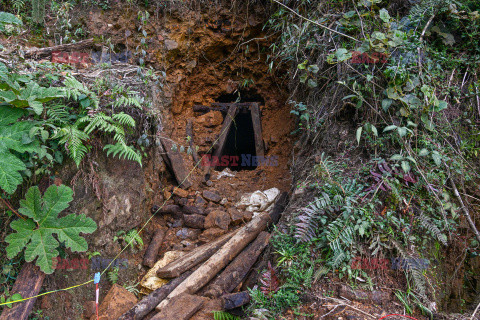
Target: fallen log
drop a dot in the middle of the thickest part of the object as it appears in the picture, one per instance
(151, 253)
(189, 130)
(237, 270)
(28, 284)
(182, 307)
(44, 52)
(235, 300)
(219, 260)
(279, 207)
(147, 304)
(193, 258)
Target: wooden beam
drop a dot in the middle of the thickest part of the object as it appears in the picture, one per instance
(220, 259)
(232, 112)
(151, 253)
(257, 129)
(238, 269)
(176, 163)
(28, 284)
(147, 304)
(193, 258)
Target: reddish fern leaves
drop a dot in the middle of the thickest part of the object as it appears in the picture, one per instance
(269, 280)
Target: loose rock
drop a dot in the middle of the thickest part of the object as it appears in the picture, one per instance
(211, 234)
(217, 218)
(117, 301)
(211, 196)
(186, 233)
(194, 221)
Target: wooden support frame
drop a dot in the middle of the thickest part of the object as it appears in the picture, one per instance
(233, 109)
(176, 164)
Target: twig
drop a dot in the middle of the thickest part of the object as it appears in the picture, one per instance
(347, 305)
(315, 23)
(464, 208)
(419, 50)
(474, 312)
(13, 210)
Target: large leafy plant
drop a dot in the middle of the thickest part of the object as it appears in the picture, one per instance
(35, 234)
(14, 140)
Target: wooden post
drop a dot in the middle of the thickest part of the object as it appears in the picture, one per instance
(150, 256)
(189, 130)
(257, 129)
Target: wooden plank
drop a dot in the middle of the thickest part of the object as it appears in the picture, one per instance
(232, 112)
(182, 307)
(279, 207)
(219, 260)
(193, 258)
(147, 304)
(237, 270)
(257, 129)
(189, 131)
(177, 165)
(151, 253)
(28, 284)
(205, 109)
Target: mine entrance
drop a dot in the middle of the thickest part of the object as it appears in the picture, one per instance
(239, 146)
(240, 142)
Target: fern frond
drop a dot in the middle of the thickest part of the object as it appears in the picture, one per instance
(123, 152)
(58, 114)
(222, 315)
(428, 224)
(124, 119)
(73, 138)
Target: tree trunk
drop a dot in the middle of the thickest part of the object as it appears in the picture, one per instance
(28, 284)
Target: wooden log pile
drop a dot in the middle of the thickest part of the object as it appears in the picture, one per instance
(214, 270)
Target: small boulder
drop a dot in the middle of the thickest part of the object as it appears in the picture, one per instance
(235, 215)
(210, 119)
(117, 301)
(180, 192)
(211, 196)
(194, 221)
(217, 218)
(186, 233)
(193, 210)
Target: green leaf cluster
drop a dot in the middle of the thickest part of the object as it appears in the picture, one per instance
(36, 233)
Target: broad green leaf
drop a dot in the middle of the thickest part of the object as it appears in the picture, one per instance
(374, 130)
(10, 167)
(390, 128)
(384, 15)
(402, 131)
(313, 68)
(343, 54)
(405, 166)
(437, 158)
(396, 157)
(386, 103)
(8, 18)
(36, 233)
(423, 152)
(359, 134)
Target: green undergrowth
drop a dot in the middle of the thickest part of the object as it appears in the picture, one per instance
(405, 84)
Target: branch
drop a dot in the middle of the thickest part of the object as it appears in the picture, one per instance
(10, 207)
(465, 209)
(315, 23)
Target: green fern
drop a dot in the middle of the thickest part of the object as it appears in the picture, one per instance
(123, 152)
(74, 139)
(112, 275)
(428, 224)
(222, 315)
